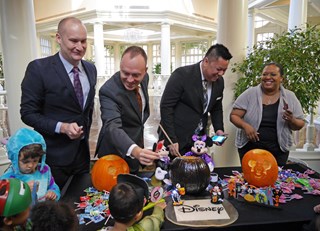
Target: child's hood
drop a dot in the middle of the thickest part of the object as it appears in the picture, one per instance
(20, 139)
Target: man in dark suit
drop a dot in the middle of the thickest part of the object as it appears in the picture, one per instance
(50, 105)
(123, 120)
(190, 94)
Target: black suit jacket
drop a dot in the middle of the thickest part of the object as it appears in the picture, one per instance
(123, 124)
(181, 106)
(48, 97)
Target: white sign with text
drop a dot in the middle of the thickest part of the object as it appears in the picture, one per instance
(200, 210)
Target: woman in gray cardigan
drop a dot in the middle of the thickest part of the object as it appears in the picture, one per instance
(265, 116)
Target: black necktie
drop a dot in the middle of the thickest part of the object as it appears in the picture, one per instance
(205, 93)
(77, 85)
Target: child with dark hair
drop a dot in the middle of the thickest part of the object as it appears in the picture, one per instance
(26, 150)
(53, 216)
(15, 201)
(126, 202)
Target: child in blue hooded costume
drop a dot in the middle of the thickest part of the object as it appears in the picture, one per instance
(26, 150)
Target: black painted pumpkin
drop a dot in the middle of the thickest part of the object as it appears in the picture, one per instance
(190, 172)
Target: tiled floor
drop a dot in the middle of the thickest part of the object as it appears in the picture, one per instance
(150, 132)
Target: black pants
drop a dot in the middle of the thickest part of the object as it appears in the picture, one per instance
(80, 165)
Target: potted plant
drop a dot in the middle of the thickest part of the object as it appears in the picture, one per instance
(157, 69)
(298, 51)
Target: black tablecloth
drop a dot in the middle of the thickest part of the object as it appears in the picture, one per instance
(290, 216)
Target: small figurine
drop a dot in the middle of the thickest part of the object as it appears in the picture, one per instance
(232, 188)
(277, 192)
(164, 161)
(250, 193)
(162, 164)
(199, 149)
(214, 177)
(216, 194)
(160, 174)
(269, 194)
(238, 189)
(261, 197)
(176, 195)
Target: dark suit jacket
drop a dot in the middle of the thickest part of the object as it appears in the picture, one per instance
(48, 97)
(181, 105)
(122, 122)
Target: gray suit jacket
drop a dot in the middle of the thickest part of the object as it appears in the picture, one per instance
(122, 122)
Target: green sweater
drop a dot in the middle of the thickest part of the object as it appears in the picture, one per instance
(150, 223)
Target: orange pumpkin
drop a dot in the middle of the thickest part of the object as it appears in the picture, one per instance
(105, 171)
(259, 168)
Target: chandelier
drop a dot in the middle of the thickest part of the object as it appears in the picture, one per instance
(132, 35)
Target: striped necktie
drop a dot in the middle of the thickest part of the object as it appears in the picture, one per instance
(205, 93)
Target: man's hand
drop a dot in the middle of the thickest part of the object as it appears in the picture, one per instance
(72, 130)
(219, 133)
(174, 149)
(145, 156)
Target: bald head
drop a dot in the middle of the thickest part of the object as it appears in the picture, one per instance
(72, 38)
(67, 22)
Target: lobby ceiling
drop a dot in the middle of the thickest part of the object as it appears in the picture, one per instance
(142, 25)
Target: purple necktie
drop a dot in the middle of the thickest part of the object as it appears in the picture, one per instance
(77, 85)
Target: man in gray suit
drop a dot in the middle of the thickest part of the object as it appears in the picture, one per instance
(190, 94)
(122, 117)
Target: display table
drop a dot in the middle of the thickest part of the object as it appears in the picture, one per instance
(290, 216)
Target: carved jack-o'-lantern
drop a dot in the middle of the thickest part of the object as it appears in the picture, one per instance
(190, 172)
(259, 168)
(105, 171)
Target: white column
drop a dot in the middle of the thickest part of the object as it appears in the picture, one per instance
(99, 52)
(178, 54)
(18, 36)
(150, 65)
(231, 33)
(117, 57)
(89, 51)
(297, 14)
(251, 30)
(210, 41)
(298, 19)
(53, 41)
(165, 49)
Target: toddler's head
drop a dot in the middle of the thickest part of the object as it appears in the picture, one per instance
(26, 149)
(127, 198)
(15, 201)
(53, 215)
(29, 158)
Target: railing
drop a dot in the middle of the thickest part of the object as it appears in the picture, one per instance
(310, 151)
(159, 83)
(4, 128)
